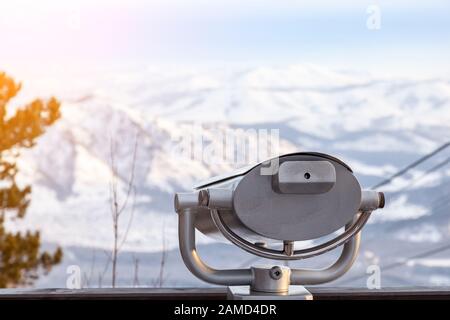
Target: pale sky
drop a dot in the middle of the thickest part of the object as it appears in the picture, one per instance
(412, 34)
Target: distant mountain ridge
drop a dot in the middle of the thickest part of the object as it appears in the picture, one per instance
(376, 125)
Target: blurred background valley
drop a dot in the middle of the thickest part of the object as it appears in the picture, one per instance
(131, 79)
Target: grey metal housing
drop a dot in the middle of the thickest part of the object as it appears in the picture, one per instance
(260, 213)
(305, 197)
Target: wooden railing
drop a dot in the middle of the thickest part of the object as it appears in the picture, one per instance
(319, 293)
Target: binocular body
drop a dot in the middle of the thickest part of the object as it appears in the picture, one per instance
(301, 196)
(294, 197)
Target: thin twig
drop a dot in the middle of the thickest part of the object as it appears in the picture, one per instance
(117, 209)
(136, 271)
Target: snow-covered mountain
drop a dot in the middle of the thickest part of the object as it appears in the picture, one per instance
(377, 124)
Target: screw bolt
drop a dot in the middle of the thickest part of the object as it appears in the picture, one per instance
(276, 273)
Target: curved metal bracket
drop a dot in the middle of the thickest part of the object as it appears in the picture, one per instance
(337, 269)
(351, 230)
(186, 232)
(186, 229)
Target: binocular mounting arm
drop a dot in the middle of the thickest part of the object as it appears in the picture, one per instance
(194, 263)
(186, 205)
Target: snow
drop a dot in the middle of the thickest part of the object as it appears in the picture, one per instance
(399, 209)
(378, 125)
(421, 234)
(342, 111)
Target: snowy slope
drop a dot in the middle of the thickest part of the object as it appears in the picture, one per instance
(376, 124)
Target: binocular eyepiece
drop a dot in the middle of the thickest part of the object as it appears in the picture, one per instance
(295, 197)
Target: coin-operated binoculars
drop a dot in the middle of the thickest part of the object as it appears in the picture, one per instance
(264, 209)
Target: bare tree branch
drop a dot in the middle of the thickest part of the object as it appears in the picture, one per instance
(131, 179)
(130, 220)
(136, 271)
(88, 276)
(116, 208)
(105, 269)
(159, 281)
